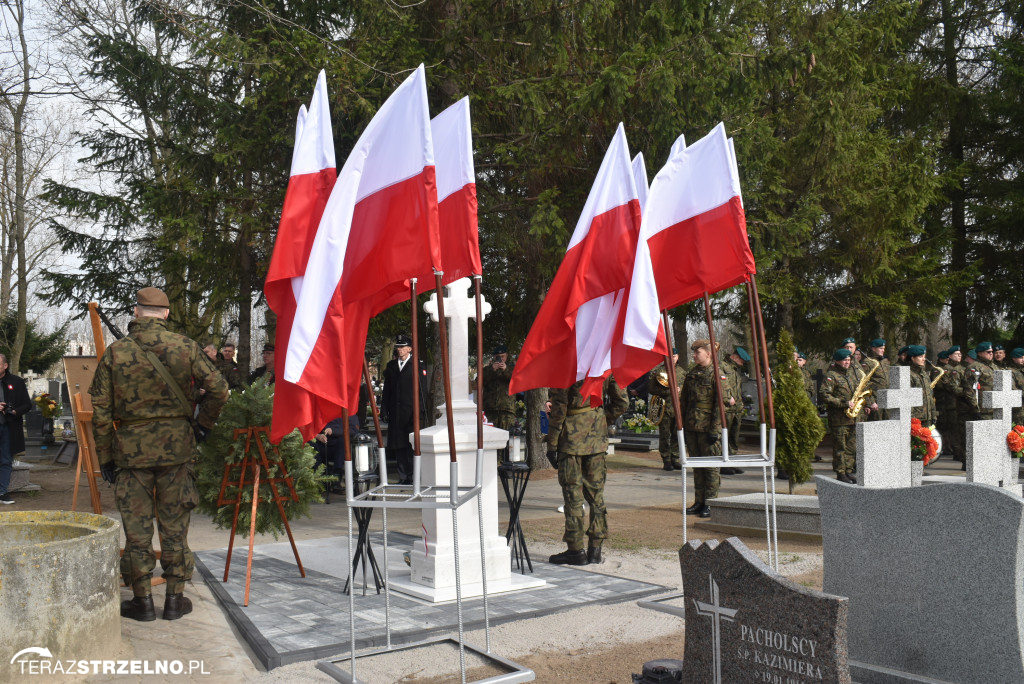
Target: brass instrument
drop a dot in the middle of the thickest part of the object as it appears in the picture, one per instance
(860, 395)
(936, 379)
(656, 404)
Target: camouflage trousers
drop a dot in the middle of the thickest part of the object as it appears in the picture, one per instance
(168, 493)
(503, 421)
(706, 481)
(949, 428)
(668, 440)
(844, 448)
(734, 419)
(582, 478)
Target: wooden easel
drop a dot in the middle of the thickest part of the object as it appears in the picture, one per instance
(87, 462)
(249, 462)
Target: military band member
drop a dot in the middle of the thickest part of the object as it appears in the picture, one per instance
(838, 391)
(668, 436)
(921, 377)
(945, 404)
(999, 360)
(880, 379)
(801, 361)
(735, 370)
(986, 374)
(966, 400)
(1017, 368)
(702, 425)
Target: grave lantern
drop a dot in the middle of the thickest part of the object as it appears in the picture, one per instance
(515, 447)
(364, 454)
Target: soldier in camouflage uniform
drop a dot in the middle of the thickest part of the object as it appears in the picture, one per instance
(1017, 368)
(921, 377)
(499, 407)
(966, 401)
(229, 368)
(878, 381)
(945, 394)
(801, 361)
(999, 360)
(578, 433)
(837, 392)
(702, 425)
(734, 368)
(668, 436)
(986, 375)
(145, 444)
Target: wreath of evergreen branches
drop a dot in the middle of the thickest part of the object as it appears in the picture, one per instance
(253, 407)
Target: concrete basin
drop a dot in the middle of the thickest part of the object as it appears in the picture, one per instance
(58, 587)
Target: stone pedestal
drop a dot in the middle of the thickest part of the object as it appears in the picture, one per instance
(19, 479)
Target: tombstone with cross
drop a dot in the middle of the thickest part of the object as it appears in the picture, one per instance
(883, 446)
(988, 458)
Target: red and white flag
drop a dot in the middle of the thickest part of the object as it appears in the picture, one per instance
(456, 192)
(312, 177)
(571, 337)
(693, 238)
(379, 230)
(640, 177)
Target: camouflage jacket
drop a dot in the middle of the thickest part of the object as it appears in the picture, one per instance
(837, 392)
(699, 400)
(880, 380)
(948, 388)
(920, 377)
(986, 380)
(137, 419)
(1018, 384)
(231, 372)
(733, 385)
(969, 396)
(655, 387)
(575, 428)
(808, 383)
(496, 396)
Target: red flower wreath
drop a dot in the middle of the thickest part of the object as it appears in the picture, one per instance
(1015, 441)
(923, 446)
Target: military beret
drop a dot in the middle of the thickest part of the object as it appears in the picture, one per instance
(878, 342)
(998, 347)
(706, 344)
(1017, 353)
(973, 354)
(152, 296)
(268, 347)
(499, 349)
(954, 349)
(403, 340)
(802, 356)
(916, 350)
(903, 350)
(849, 340)
(675, 350)
(943, 354)
(742, 353)
(840, 354)
(983, 347)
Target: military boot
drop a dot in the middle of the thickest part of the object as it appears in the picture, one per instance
(594, 555)
(139, 608)
(176, 605)
(695, 508)
(569, 558)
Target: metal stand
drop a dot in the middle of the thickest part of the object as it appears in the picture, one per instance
(364, 551)
(518, 473)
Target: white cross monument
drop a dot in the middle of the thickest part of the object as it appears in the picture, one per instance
(883, 446)
(988, 458)
(717, 613)
(432, 558)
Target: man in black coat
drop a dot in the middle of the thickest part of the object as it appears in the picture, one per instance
(14, 403)
(396, 405)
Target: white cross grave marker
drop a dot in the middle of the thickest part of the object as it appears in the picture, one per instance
(988, 459)
(883, 446)
(717, 613)
(459, 308)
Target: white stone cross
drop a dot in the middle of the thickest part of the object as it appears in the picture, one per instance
(883, 446)
(459, 308)
(988, 458)
(717, 613)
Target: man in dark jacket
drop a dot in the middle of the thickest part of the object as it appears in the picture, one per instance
(14, 403)
(396, 405)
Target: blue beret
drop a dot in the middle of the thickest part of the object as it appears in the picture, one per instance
(973, 354)
(848, 340)
(954, 349)
(983, 347)
(916, 350)
(802, 356)
(1017, 353)
(997, 347)
(943, 354)
(841, 354)
(675, 351)
(742, 353)
(878, 342)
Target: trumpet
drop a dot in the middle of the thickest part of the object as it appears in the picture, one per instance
(932, 366)
(860, 394)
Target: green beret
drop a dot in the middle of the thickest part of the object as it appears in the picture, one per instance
(954, 349)
(802, 356)
(998, 347)
(943, 354)
(878, 342)
(675, 350)
(742, 353)
(841, 353)
(983, 347)
(848, 340)
(1017, 353)
(916, 350)
(973, 354)
(903, 350)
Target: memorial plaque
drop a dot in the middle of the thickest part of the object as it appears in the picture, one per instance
(747, 623)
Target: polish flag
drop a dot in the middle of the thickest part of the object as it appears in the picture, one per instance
(571, 337)
(693, 238)
(456, 192)
(640, 177)
(312, 178)
(379, 230)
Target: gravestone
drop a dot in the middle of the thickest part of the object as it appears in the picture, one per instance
(934, 580)
(883, 446)
(34, 425)
(988, 458)
(747, 623)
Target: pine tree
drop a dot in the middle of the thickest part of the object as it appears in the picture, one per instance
(798, 427)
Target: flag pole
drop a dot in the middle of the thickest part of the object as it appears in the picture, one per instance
(764, 354)
(415, 391)
(670, 371)
(756, 343)
(445, 370)
(714, 361)
(373, 404)
(479, 365)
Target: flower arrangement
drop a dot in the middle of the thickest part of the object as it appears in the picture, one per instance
(923, 446)
(1015, 441)
(638, 423)
(48, 406)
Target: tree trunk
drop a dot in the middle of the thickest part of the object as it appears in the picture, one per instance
(536, 449)
(18, 123)
(958, 116)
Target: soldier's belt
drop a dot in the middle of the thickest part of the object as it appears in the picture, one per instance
(703, 405)
(140, 421)
(586, 409)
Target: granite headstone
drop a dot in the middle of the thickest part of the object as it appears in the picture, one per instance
(883, 447)
(935, 580)
(747, 623)
(988, 458)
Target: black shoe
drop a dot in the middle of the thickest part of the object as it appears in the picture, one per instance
(695, 508)
(852, 478)
(963, 465)
(7, 500)
(817, 459)
(569, 558)
(667, 466)
(176, 605)
(677, 466)
(782, 475)
(139, 608)
(704, 512)
(843, 477)
(731, 471)
(594, 555)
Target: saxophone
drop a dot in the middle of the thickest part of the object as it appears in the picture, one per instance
(860, 394)
(938, 377)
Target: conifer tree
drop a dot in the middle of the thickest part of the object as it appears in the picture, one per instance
(798, 427)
